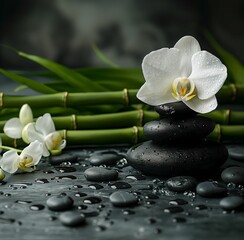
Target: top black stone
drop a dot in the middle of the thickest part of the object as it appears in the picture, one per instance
(174, 109)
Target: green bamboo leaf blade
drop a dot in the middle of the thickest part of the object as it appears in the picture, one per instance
(70, 76)
(39, 87)
(102, 57)
(235, 68)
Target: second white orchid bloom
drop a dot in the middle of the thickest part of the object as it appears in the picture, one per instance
(11, 161)
(182, 73)
(44, 131)
(14, 127)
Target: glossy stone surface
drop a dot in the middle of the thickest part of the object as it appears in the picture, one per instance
(168, 161)
(233, 175)
(168, 130)
(174, 109)
(104, 158)
(59, 203)
(232, 203)
(100, 174)
(181, 183)
(123, 199)
(211, 189)
(236, 152)
(72, 219)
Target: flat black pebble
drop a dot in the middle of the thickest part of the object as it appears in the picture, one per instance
(181, 183)
(211, 189)
(64, 157)
(72, 219)
(233, 175)
(98, 159)
(100, 174)
(59, 203)
(232, 203)
(123, 199)
(236, 152)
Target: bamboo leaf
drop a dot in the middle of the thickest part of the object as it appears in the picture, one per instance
(70, 76)
(20, 88)
(28, 82)
(235, 67)
(102, 57)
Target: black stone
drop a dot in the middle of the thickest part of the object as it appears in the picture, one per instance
(168, 161)
(123, 199)
(104, 158)
(232, 202)
(211, 189)
(233, 175)
(168, 130)
(60, 203)
(181, 183)
(174, 109)
(236, 152)
(72, 219)
(100, 174)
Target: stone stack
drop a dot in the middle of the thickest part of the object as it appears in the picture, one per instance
(177, 144)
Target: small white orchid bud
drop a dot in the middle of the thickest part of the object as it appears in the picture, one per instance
(25, 114)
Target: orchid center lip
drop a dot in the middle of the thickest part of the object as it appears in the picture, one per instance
(183, 89)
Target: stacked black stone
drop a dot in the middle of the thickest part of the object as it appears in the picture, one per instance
(178, 144)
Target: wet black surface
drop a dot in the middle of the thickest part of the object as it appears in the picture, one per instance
(159, 213)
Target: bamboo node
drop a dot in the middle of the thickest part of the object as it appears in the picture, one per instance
(227, 116)
(141, 117)
(219, 132)
(126, 96)
(74, 122)
(135, 130)
(1, 99)
(234, 92)
(64, 134)
(65, 99)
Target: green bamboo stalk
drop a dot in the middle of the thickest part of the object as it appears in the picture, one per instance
(128, 136)
(228, 94)
(131, 118)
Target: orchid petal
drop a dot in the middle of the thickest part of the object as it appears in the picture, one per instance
(45, 124)
(188, 46)
(32, 134)
(53, 140)
(202, 106)
(208, 74)
(25, 114)
(34, 150)
(13, 128)
(9, 161)
(155, 96)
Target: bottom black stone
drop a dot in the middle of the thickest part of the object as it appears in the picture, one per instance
(167, 161)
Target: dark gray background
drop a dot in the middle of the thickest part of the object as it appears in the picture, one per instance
(63, 30)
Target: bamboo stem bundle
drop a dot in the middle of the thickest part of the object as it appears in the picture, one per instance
(228, 94)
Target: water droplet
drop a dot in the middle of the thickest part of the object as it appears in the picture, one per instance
(179, 220)
(23, 202)
(174, 209)
(65, 169)
(80, 194)
(66, 177)
(41, 180)
(120, 185)
(37, 207)
(92, 200)
(95, 186)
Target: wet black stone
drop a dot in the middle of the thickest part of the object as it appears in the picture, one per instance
(211, 189)
(100, 174)
(106, 158)
(181, 183)
(64, 157)
(168, 130)
(72, 219)
(60, 203)
(233, 175)
(123, 199)
(174, 109)
(236, 152)
(232, 203)
(173, 160)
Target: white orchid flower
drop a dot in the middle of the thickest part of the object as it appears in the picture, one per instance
(26, 161)
(44, 131)
(182, 73)
(14, 127)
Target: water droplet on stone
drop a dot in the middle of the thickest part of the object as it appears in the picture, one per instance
(37, 207)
